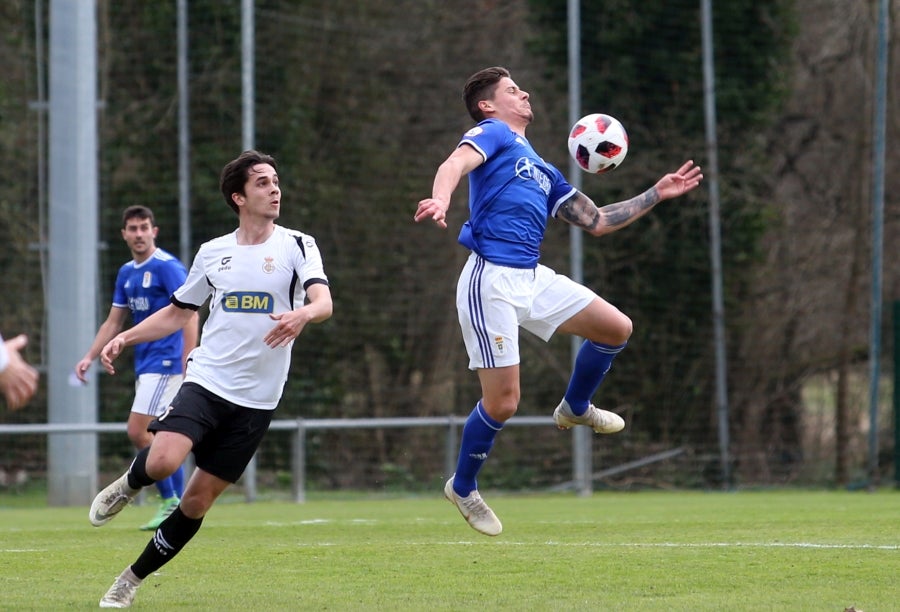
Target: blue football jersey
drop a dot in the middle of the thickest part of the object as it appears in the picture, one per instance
(145, 288)
(511, 196)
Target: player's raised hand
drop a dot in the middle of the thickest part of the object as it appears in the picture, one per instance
(685, 179)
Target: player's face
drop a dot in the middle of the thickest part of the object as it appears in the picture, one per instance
(140, 236)
(511, 103)
(262, 195)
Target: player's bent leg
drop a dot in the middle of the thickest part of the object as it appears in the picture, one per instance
(167, 453)
(201, 492)
(141, 438)
(599, 322)
(500, 391)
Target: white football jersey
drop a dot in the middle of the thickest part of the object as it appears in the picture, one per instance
(244, 285)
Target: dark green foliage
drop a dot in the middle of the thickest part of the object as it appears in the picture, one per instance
(641, 62)
(359, 101)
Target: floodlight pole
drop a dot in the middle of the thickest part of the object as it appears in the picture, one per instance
(711, 172)
(248, 97)
(581, 436)
(878, 155)
(184, 137)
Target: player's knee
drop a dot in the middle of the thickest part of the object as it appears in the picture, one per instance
(624, 328)
(614, 330)
(502, 409)
(195, 506)
(160, 466)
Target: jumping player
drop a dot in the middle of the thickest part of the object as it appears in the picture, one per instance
(512, 194)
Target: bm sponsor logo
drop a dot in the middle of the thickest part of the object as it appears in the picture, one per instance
(248, 301)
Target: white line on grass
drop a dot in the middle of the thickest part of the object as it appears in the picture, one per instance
(726, 545)
(494, 542)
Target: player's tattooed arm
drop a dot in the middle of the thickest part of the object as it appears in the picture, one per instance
(580, 210)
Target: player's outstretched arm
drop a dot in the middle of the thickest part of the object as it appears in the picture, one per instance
(462, 161)
(580, 210)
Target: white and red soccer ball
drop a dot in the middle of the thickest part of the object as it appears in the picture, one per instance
(598, 143)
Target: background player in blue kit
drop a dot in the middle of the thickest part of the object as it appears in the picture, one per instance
(264, 283)
(512, 194)
(143, 286)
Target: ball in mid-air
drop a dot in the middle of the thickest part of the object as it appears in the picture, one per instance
(598, 143)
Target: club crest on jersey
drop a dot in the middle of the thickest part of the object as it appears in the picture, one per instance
(147, 280)
(248, 301)
(269, 265)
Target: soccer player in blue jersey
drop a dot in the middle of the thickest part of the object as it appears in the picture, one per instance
(265, 283)
(512, 194)
(143, 286)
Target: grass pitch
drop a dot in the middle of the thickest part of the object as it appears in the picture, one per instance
(658, 551)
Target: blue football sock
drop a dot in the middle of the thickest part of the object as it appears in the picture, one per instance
(591, 365)
(477, 439)
(178, 481)
(165, 488)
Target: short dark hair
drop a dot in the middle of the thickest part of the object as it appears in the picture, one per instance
(481, 86)
(237, 171)
(137, 211)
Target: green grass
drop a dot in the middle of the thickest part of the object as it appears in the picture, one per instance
(795, 550)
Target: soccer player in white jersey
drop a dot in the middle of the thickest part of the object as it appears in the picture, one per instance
(264, 284)
(143, 286)
(18, 379)
(512, 194)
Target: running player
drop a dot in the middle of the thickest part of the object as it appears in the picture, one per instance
(264, 284)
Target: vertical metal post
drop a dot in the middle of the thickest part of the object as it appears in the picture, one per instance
(451, 447)
(184, 138)
(248, 43)
(711, 172)
(249, 477)
(72, 291)
(878, 154)
(581, 436)
(896, 401)
(298, 463)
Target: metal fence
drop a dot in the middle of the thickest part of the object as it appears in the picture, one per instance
(299, 429)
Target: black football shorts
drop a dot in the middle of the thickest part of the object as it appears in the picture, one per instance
(225, 435)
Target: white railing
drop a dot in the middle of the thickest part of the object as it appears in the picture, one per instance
(299, 427)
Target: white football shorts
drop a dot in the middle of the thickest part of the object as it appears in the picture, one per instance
(154, 392)
(493, 301)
